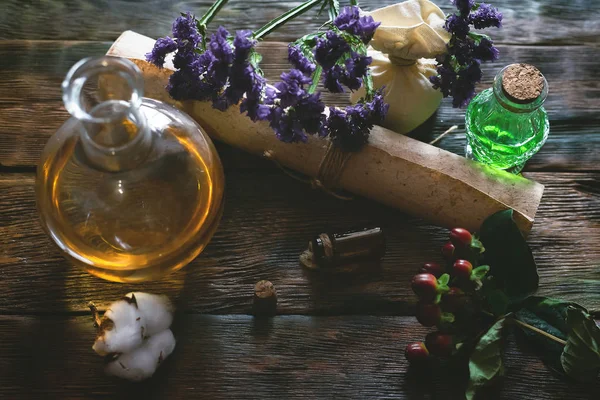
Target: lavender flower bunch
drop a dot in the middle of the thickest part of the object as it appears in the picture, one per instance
(222, 73)
(224, 69)
(460, 68)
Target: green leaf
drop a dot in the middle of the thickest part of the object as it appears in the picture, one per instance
(549, 315)
(509, 257)
(255, 58)
(581, 356)
(444, 279)
(334, 9)
(479, 272)
(485, 362)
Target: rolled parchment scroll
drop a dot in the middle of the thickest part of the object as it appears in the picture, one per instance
(415, 177)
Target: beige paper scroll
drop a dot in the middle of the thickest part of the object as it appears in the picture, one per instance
(413, 176)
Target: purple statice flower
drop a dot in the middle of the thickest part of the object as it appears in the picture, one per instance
(457, 25)
(332, 79)
(220, 48)
(350, 75)
(444, 80)
(460, 68)
(462, 92)
(309, 110)
(485, 50)
(253, 105)
(185, 31)
(464, 6)
(294, 112)
(463, 89)
(162, 47)
(291, 87)
(471, 72)
(486, 16)
(243, 45)
(356, 67)
(297, 58)
(349, 20)
(349, 128)
(378, 108)
(243, 77)
(330, 49)
(186, 38)
(462, 49)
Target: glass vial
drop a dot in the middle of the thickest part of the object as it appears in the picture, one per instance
(507, 124)
(129, 188)
(329, 250)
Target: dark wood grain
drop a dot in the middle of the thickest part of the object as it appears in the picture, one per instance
(31, 108)
(525, 22)
(338, 350)
(268, 220)
(238, 357)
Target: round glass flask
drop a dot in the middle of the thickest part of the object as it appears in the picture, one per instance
(129, 188)
(507, 124)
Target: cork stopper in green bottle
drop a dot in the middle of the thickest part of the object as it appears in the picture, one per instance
(522, 83)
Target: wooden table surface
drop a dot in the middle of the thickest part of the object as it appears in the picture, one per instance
(335, 335)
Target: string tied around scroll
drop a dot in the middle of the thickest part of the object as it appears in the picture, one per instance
(329, 173)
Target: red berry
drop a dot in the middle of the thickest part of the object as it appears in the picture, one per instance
(448, 251)
(432, 268)
(424, 286)
(462, 269)
(416, 353)
(460, 237)
(439, 344)
(453, 300)
(428, 314)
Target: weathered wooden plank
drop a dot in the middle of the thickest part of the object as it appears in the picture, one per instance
(530, 22)
(267, 222)
(238, 357)
(31, 108)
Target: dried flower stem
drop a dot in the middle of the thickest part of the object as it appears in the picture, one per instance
(283, 18)
(95, 314)
(437, 139)
(212, 11)
(316, 78)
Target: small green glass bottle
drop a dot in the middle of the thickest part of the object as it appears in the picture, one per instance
(506, 125)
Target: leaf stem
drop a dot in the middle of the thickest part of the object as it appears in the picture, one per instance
(283, 18)
(316, 77)
(212, 11)
(538, 331)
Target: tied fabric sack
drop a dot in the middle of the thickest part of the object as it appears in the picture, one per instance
(411, 34)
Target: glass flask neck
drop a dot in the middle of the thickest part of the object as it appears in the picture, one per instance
(105, 95)
(513, 106)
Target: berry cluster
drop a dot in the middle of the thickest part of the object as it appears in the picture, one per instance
(446, 292)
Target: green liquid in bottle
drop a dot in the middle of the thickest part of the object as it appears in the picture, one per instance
(503, 133)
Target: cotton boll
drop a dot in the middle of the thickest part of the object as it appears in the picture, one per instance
(141, 363)
(156, 311)
(136, 366)
(162, 343)
(121, 329)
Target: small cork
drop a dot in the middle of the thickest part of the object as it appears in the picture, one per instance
(522, 83)
(265, 299)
